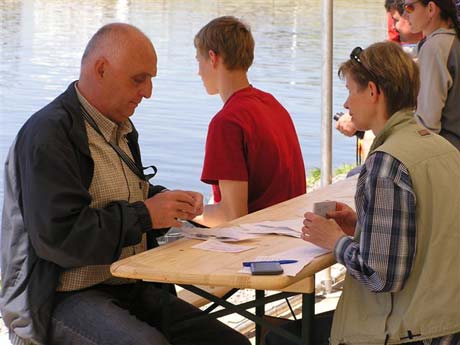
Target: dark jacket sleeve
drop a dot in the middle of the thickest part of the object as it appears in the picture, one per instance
(153, 190)
(55, 204)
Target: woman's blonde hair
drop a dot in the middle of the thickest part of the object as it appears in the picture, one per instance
(391, 69)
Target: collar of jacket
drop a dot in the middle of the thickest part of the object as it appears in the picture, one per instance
(440, 31)
(397, 119)
(78, 134)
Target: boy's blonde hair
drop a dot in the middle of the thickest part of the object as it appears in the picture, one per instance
(230, 38)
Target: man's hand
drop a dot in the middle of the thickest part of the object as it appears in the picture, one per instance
(345, 217)
(198, 198)
(167, 207)
(321, 231)
(345, 126)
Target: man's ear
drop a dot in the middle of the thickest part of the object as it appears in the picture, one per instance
(100, 67)
(213, 57)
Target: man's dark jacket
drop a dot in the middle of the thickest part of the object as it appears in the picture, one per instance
(47, 224)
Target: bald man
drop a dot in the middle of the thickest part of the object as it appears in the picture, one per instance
(77, 199)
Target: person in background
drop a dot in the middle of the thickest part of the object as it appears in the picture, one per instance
(408, 40)
(252, 157)
(438, 103)
(401, 247)
(392, 33)
(77, 199)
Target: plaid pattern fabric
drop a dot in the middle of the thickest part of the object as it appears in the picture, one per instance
(112, 180)
(385, 205)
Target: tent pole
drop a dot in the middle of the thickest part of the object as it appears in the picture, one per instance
(326, 114)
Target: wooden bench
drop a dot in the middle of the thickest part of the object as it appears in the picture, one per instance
(199, 301)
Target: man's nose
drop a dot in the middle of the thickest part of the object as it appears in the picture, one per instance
(146, 90)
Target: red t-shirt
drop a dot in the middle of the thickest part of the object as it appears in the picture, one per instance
(253, 139)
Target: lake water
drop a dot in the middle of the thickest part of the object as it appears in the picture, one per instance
(41, 42)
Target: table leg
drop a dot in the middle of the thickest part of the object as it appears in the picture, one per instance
(260, 311)
(308, 315)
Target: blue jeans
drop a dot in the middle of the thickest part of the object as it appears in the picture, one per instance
(131, 314)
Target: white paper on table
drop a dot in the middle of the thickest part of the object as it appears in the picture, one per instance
(275, 231)
(303, 253)
(288, 227)
(218, 246)
(230, 234)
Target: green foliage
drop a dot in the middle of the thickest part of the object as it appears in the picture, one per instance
(344, 169)
(314, 175)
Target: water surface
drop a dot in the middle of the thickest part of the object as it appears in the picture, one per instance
(41, 42)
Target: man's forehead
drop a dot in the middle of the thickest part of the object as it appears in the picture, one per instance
(142, 60)
(149, 70)
(153, 72)
(153, 65)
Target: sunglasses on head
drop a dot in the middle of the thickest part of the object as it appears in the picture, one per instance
(409, 8)
(354, 56)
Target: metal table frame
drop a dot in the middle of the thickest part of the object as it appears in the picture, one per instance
(308, 307)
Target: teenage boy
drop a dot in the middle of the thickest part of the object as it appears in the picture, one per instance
(252, 157)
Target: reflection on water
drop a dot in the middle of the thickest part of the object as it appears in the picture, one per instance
(41, 43)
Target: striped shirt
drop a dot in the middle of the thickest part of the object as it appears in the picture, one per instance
(385, 207)
(112, 180)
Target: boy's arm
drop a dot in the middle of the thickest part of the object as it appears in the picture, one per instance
(234, 204)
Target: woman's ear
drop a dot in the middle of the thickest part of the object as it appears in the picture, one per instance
(372, 89)
(432, 8)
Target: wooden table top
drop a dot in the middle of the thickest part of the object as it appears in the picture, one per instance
(178, 263)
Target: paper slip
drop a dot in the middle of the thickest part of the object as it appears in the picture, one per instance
(323, 207)
(289, 227)
(218, 246)
(231, 234)
(293, 224)
(277, 231)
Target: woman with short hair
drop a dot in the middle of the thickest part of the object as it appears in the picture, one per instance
(438, 103)
(401, 247)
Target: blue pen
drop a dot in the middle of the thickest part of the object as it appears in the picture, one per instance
(281, 262)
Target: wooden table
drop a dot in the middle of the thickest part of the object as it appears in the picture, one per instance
(178, 263)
